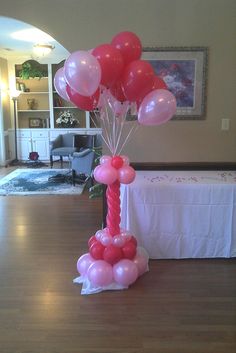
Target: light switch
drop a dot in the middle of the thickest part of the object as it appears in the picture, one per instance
(224, 124)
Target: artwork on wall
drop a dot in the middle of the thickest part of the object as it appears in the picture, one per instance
(35, 123)
(184, 71)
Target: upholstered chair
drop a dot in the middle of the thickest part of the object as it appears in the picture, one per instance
(82, 166)
(62, 146)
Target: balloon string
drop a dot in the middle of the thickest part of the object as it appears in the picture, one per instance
(112, 128)
(121, 130)
(103, 138)
(105, 132)
(109, 124)
(105, 124)
(133, 129)
(113, 133)
(113, 204)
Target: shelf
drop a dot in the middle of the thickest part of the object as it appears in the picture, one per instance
(45, 96)
(34, 110)
(31, 78)
(65, 107)
(26, 93)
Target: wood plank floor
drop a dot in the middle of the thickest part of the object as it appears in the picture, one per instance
(179, 306)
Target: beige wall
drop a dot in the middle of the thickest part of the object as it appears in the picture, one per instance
(5, 97)
(83, 24)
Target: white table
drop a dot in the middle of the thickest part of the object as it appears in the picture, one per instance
(182, 214)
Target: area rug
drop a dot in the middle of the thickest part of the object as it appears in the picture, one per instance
(38, 182)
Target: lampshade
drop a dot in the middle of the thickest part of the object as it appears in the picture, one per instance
(14, 93)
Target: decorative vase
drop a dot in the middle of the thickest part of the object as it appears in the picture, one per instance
(31, 104)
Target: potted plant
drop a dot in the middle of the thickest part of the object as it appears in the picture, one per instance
(31, 69)
(97, 189)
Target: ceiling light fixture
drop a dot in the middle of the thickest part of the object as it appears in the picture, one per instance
(43, 49)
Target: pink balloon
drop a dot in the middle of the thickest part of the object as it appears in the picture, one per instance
(125, 160)
(100, 273)
(99, 234)
(120, 109)
(83, 73)
(105, 174)
(129, 45)
(126, 174)
(106, 239)
(105, 159)
(119, 241)
(142, 251)
(60, 84)
(141, 262)
(82, 102)
(102, 99)
(157, 107)
(125, 272)
(83, 263)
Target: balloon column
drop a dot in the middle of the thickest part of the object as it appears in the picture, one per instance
(110, 80)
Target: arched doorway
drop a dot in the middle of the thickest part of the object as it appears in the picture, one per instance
(18, 43)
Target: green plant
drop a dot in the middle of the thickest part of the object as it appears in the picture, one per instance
(97, 189)
(31, 69)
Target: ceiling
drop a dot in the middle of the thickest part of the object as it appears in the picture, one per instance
(20, 50)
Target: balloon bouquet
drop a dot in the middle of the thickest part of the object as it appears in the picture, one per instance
(111, 80)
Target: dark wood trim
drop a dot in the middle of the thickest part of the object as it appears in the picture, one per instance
(184, 166)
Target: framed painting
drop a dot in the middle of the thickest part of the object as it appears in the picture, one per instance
(35, 123)
(184, 70)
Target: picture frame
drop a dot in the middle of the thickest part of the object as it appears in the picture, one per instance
(184, 70)
(35, 123)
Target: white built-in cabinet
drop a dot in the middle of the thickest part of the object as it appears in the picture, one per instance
(38, 107)
(29, 140)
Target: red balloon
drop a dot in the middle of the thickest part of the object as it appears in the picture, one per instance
(96, 250)
(129, 250)
(111, 62)
(134, 240)
(117, 92)
(92, 240)
(117, 162)
(159, 83)
(129, 44)
(82, 102)
(112, 254)
(137, 80)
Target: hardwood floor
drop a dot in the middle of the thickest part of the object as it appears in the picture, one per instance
(179, 306)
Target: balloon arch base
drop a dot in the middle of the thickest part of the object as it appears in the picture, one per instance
(101, 275)
(114, 260)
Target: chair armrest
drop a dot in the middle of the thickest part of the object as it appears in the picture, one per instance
(82, 153)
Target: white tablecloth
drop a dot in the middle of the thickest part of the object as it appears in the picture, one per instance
(182, 214)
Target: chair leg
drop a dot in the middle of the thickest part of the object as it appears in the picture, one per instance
(73, 177)
(51, 161)
(61, 159)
